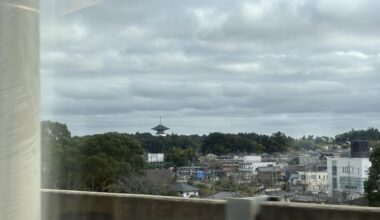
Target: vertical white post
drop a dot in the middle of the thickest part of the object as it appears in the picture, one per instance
(19, 110)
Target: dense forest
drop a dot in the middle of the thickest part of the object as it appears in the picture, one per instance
(95, 162)
(371, 134)
(102, 162)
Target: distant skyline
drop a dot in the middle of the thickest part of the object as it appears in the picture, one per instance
(300, 67)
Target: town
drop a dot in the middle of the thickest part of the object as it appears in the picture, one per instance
(332, 171)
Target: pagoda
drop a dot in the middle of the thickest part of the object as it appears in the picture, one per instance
(160, 129)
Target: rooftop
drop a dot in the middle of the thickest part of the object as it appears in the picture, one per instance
(183, 187)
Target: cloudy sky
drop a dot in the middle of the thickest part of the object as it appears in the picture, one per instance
(297, 66)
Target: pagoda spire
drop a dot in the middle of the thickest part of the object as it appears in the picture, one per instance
(160, 129)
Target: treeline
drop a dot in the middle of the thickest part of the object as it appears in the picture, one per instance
(219, 143)
(103, 162)
(370, 134)
(163, 144)
(94, 162)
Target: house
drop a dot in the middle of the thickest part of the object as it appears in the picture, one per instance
(224, 194)
(186, 190)
(308, 160)
(229, 163)
(188, 172)
(314, 181)
(269, 176)
(250, 167)
(291, 173)
(215, 174)
(211, 157)
(308, 198)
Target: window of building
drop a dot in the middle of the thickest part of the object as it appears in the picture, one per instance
(334, 168)
(334, 183)
(351, 183)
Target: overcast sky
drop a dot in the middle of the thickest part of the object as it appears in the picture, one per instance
(297, 66)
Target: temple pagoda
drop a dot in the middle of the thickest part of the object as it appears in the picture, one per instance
(160, 129)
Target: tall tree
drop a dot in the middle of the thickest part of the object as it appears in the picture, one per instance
(372, 186)
(57, 154)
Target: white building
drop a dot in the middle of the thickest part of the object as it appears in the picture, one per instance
(154, 158)
(251, 158)
(347, 175)
(251, 166)
(314, 181)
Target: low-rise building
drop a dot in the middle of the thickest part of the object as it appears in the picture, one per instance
(211, 157)
(229, 163)
(186, 190)
(154, 157)
(251, 167)
(188, 172)
(251, 158)
(314, 181)
(269, 176)
(308, 160)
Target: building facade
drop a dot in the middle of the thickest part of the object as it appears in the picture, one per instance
(347, 175)
(308, 160)
(154, 157)
(314, 181)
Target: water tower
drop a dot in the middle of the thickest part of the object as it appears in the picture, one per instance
(359, 149)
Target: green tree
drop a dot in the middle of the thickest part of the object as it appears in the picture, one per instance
(57, 157)
(93, 162)
(372, 186)
(181, 157)
(109, 157)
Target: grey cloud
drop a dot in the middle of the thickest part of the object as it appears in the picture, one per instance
(229, 66)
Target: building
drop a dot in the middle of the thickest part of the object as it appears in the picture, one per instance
(347, 175)
(291, 173)
(228, 163)
(360, 149)
(308, 160)
(314, 181)
(225, 194)
(251, 166)
(154, 157)
(248, 170)
(269, 176)
(186, 190)
(251, 158)
(185, 173)
(308, 198)
(210, 157)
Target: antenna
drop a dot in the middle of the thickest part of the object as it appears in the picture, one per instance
(160, 119)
